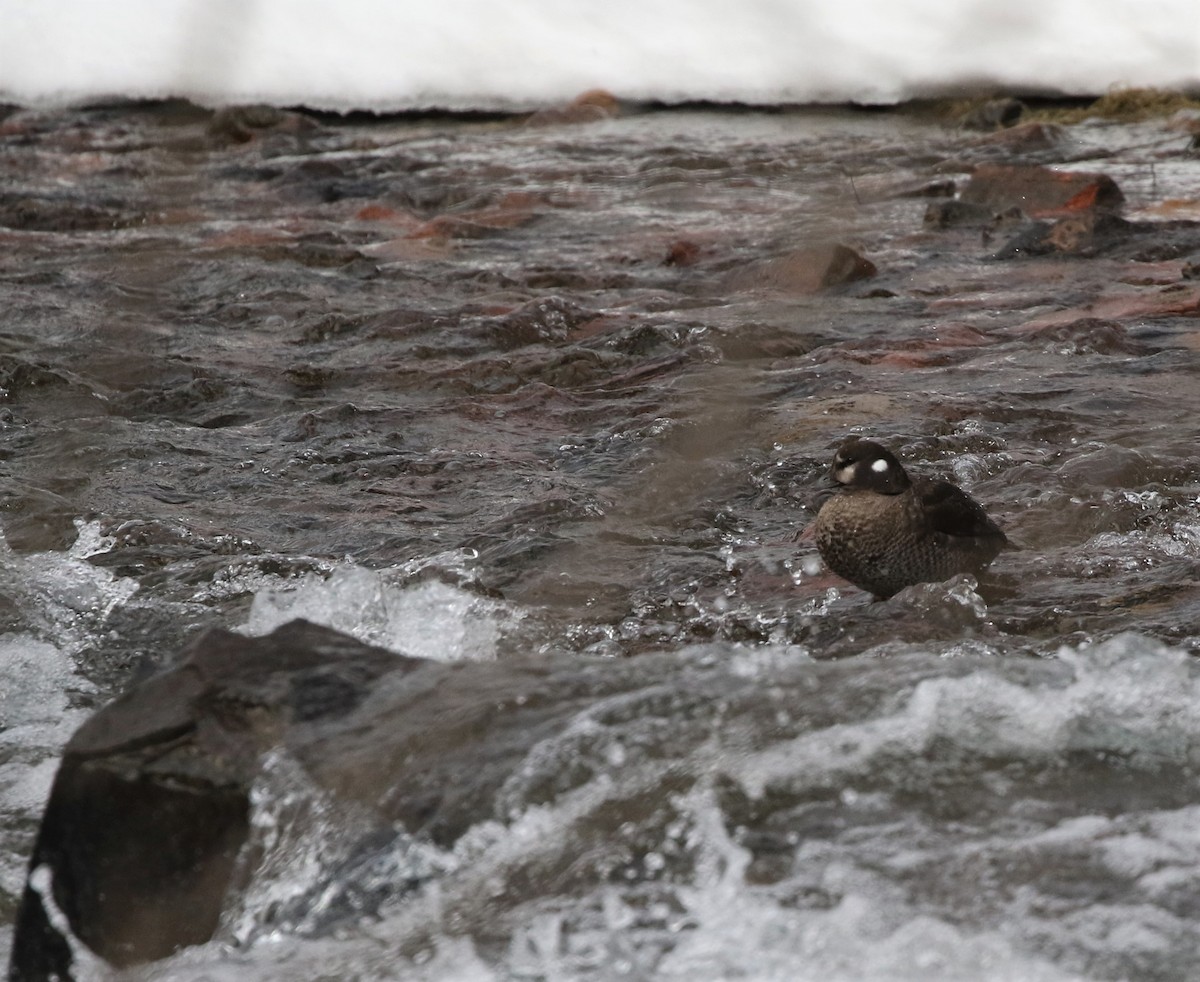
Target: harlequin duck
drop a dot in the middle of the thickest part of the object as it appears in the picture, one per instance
(884, 531)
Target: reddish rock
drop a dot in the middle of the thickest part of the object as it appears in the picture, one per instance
(682, 252)
(515, 209)
(806, 270)
(593, 105)
(1086, 232)
(1039, 191)
(1164, 273)
(1174, 208)
(379, 213)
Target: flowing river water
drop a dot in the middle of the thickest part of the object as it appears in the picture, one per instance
(468, 388)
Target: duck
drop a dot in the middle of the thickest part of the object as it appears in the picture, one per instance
(883, 530)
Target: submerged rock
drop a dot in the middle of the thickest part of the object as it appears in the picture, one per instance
(1094, 233)
(62, 212)
(806, 270)
(240, 124)
(511, 211)
(993, 115)
(955, 213)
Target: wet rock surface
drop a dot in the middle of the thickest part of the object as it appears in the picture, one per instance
(151, 803)
(1039, 191)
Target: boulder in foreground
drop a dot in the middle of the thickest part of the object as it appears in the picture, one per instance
(150, 805)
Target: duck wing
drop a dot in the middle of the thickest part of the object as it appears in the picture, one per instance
(951, 511)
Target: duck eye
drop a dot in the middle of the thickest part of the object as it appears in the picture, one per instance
(879, 466)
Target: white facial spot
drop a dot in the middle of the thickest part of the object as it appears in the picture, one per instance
(879, 466)
(844, 474)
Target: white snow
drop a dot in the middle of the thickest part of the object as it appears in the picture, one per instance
(480, 54)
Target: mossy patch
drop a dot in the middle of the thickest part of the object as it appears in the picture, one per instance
(1120, 105)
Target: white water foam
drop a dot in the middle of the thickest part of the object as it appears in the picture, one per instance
(66, 601)
(425, 619)
(1131, 695)
(68, 598)
(473, 54)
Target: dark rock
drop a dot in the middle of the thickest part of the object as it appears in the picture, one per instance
(139, 866)
(1094, 233)
(993, 115)
(240, 124)
(1085, 234)
(1088, 233)
(806, 270)
(1039, 191)
(944, 188)
(1168, 241)
(540, 321)
(955, 214)
(63, 213)
(150, 804)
